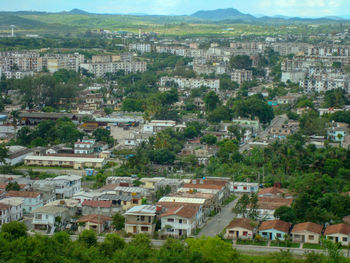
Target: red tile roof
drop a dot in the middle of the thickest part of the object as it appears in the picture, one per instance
(185, 211)
(337, 229)
(308, 226)
(97, 219)
(275, 224)
(4, 206)
(242, 223)
(274, 191)
(273, 203)
(95, 203)
(24, 194)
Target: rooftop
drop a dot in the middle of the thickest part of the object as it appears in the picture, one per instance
(275, 224)
(48, 209)
(242, 223)
(95, 203)
(182, 211)
(142, 209)
(24, 194)
(93, 218)
(337, 229)
(308, 226)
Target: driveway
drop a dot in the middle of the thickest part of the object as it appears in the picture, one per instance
(217, 223)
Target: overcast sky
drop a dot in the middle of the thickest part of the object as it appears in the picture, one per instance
(310, 8)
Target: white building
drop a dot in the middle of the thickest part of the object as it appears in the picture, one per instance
(16, 207)
(32, 200)
(141, 47)
(85, 146)
(243, 187)
(5, 214)
(241, 75)
(45, 217)
(185, 83)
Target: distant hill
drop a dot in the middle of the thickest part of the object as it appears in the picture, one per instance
(77, 11)
(223, 14)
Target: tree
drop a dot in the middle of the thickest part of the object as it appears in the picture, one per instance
(14, 230)
(13, 186)
(286, 214)
(240, 62)
(241, 207)
(209, 139)
(108, 111)
(253, 207)
(211, 101)
(212, 249)
(118, 221)
(3, 154)
(88, 238)
(163, 156)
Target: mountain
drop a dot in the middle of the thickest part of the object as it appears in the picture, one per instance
(222, 14)
(77, 11)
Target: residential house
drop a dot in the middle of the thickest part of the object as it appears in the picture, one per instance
(268, 205)
(307, 232)
(243, 187)
(46, 217)
(339, 233)
(16, 207)
(85, 146)
(97, 207)
(338, 131)
(242, 228)
(98, 223)
(274, 229)
(5, 213)
(32, 200)
(180, 221)
(121, 202)
(140, 219)
(274, 192)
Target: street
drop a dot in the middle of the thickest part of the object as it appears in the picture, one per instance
(217, 223)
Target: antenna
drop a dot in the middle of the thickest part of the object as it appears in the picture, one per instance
(12, 30)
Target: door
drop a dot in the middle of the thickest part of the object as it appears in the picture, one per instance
(180, 232)
(270, 234)
(135, 230)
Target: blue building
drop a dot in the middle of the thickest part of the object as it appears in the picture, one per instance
(274, 229)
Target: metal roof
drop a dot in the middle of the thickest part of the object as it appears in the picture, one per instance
(176, 199)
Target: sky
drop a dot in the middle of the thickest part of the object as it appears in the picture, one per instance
(301, 8)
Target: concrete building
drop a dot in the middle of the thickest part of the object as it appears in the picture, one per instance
(184, 83)
(241, 75)
(140, 219)
(65, 161)
(307, 232)
(32, 200)
(16, 207)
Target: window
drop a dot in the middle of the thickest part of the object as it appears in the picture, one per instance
(170, 219)
(235, 187)
(144, 228)
(135, 201)
(244, 188)
(142, 218)
(311, 237)
(245, 233)
(279, 235)
(180, 221)
(345, 239)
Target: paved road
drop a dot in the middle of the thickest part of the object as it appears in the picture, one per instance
(263, 135)
(216, 224)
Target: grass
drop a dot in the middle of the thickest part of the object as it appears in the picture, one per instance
(283, 244)
(312, 246)
(197, 231)
(251, 242)
(229, 200)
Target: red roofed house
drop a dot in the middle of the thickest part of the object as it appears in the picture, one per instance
(307, 232)
(32, 200)
(180, 220)
(242, 228)
(274, 229)
(98, 223)
(97, 207)
(338, 233)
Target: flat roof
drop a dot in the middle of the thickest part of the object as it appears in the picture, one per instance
(142, 209)
(175, 199)
(50, 209)
(64, 158)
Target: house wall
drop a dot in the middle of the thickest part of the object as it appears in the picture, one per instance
(273, 234)
(179, 223)
(238, 232)
(30, 204)
(306, 237)
(343, 239)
